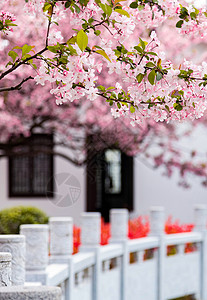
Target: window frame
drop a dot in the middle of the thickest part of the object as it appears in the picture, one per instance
(32, 194)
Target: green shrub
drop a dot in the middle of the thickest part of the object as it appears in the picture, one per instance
(12, 218)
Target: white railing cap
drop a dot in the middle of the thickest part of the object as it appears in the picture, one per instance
(60, 219)
(119, 210)
(90, 214)
(39, 227)
(14, 238)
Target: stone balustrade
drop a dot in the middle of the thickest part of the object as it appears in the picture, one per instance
(15, 244)
(123, 269)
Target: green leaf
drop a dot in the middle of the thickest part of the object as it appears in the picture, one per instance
(77, 8)
(103, 53)
(159, 76)
(177, 106)
(118, 105)
(101, 88)
(97, 32)
(139, 77)
(17, 47)
(179, 24)
(184, 11)
(26, 49)
(72, 50)
(34, 66)
(132, 109)
(152, 53)
(52, 49)
(193, 15)
(196, 10)
(122, 12)
(13, 55)
(72, 40)
(106, 8)
(82, 40)
(151, 77)
(167, 108)
(46, 7)
(67, 4)
(133, 5)
(9, 23)
(9, 64)
(142, 43)
(139, 49)
(150, 65)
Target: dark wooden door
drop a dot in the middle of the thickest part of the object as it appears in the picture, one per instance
(109, 181)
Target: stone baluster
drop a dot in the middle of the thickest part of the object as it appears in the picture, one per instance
(15, 244)
(5, 268)
(157, 221)
(119, 225)
(90, 241)
(36, 251)
(61, 239)
(200, 217)
(119, 234)
(90, 230)
(157, 226)
(61, 248)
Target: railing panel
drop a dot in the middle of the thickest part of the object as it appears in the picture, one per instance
(142, 280)
(182, 275)
(111, 284)
(83, 290)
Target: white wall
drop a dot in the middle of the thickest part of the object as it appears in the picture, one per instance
(150, 188)
(61, 166)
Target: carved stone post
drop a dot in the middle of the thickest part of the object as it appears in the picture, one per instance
(200, 216)
(157, 226)
(119, 224)
(15, 244)
(119, 234)
(36, 251)
(5, 268)
(90, 230)
(157, 220)
(61, 239)
(90, 239)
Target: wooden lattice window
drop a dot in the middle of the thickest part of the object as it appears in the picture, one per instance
(30, 175)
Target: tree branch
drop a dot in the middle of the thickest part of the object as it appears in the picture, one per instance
(16, 87)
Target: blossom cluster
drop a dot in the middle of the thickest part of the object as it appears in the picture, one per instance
(6, 21)
(150, 84)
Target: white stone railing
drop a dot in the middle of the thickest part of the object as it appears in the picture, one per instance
(124, 269)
